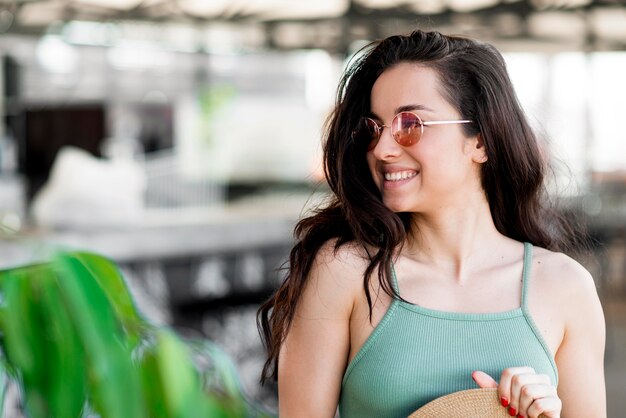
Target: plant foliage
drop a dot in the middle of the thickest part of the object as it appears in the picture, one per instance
(73, 341)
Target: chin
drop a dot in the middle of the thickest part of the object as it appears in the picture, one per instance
(398, 207)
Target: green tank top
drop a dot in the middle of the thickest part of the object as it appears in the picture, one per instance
(415, 355)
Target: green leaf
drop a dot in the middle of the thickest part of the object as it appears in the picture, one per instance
(107, 351)
(65, 358)
(179, 381)
(110, 280)
(23, 338)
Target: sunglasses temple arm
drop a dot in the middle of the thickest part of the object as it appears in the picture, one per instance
(444, 122)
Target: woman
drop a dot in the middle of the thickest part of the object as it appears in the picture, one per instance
(436, 267)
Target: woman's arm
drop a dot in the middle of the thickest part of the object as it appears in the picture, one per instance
(580, 357)
(314, 355)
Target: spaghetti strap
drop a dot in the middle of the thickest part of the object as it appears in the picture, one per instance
(394, 280)
(528, 258)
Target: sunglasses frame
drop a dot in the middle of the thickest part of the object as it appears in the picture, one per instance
(379, 127)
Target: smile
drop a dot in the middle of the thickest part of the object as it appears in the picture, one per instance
(400, 175)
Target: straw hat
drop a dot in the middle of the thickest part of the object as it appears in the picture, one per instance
(471, 403)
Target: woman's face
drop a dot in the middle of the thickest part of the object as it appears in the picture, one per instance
(438, 171)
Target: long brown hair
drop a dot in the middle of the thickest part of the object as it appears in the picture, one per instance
(474, 80)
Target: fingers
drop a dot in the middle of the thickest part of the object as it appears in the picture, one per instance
(536, 399)
(545, 408)
(525, 388)
(505, 390)
(483, 380)
(528, 394)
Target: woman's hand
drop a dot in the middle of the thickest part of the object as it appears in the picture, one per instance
(525, 393)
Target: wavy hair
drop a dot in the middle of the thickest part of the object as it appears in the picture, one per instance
(474, 80)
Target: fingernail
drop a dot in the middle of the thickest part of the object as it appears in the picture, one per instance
(520, 416)
(504, 401)
(512, 411)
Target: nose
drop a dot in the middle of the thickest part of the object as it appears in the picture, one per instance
(386, 147)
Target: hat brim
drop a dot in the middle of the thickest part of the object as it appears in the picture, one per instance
(471, 403)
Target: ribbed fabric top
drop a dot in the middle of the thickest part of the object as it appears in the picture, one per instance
(415, 355)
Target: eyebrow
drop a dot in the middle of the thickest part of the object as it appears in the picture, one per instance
(407, 108)
(413, 107)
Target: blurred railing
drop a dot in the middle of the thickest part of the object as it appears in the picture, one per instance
(168, 187)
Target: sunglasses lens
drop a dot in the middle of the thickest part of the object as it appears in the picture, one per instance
(406, 128)
(373, 132)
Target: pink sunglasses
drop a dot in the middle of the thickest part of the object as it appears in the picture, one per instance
(406, 128)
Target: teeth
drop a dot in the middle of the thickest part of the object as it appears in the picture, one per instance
(400, 175)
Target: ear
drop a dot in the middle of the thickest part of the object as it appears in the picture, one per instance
(479, 153)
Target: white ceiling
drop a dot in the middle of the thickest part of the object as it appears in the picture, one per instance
(335, 24)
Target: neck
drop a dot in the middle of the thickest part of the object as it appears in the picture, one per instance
(455, 239)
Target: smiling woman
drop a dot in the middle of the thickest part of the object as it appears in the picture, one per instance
(438, 266)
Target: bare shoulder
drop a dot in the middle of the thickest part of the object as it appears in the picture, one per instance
(343, 265)
(560, 270)
(335, 278)
(347, 257)
(561, 279)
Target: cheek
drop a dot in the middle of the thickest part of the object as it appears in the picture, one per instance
(446, 174)
(439, 165)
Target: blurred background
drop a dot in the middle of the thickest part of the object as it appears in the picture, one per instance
(181, 138)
